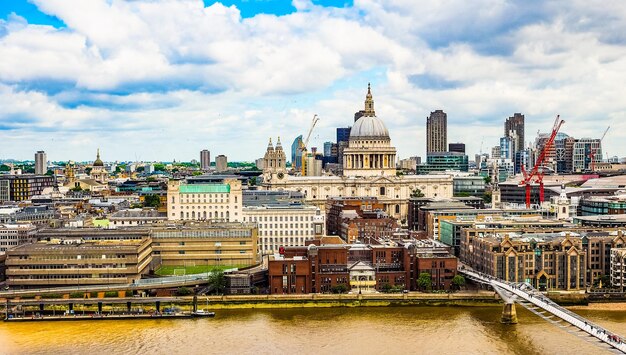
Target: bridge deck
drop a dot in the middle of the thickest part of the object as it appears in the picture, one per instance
(531, 297)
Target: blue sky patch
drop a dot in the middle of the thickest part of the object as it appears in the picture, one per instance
(28, 11)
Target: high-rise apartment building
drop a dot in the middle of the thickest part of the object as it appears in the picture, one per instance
(437, 132)
(41, 163)
(515, 124)
(584, 152)
(205, 160)
(221, 163)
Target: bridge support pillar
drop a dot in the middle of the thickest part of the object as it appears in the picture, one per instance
(158, 306)
(71, 307)
(128, 306)
(195, 303)
(100, 307)
(509, 315)
(41, 307)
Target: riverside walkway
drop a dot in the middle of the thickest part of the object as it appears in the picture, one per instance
(531, 299)
(143, 284)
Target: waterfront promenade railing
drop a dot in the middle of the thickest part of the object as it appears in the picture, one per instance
(161, 282)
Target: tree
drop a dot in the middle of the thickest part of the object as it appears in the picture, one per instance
(487, 179)
(487, 197)
(183, 291)
(386, 288)
(458, 281)
(76, 188)
(88, 170)
(417, 193)
(159, 167)
(217, 281)
(140, 169)
(424, 281)
(341, 288)
(4, 167)
(152, 201)
(252, 181)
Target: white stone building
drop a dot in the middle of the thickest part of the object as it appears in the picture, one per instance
(214, 201)
(369, 169)
(285, 225)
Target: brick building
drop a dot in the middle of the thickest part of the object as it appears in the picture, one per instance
(336, 205)
(360, 267)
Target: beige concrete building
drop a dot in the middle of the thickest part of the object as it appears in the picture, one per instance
(198, 244)
(549, 261)
(285, 225)
(12, 235)
(205, 202)
(369, 169)
(77, 262)
(221, 163)
(618, 267)
(134, 217)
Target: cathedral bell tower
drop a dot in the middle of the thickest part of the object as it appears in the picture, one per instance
(275, 166)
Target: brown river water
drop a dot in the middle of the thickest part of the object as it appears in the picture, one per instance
(385, 330)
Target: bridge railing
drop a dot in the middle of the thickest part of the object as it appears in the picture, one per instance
(529, 294)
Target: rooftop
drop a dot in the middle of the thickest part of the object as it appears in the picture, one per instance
(204, 188)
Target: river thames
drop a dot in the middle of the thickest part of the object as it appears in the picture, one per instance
(385, 330)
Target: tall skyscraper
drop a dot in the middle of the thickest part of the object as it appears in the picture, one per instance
(343, 134)
(515, 124)
(437, 132)
(205, 160)
(221, 163)
(41, 163)
(296, 152)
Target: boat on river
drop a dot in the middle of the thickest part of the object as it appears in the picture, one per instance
(202, 313)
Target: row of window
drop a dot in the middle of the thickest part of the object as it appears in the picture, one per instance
(73, 257)
(278, 219)
(203, 207)
(284, 233)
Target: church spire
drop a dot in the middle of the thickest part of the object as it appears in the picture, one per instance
(278, 145)
(270, 146)
(369, 103)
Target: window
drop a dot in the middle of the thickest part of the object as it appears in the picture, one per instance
(382, 191)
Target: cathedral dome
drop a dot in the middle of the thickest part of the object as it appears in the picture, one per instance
(98, 162)
(369, 126)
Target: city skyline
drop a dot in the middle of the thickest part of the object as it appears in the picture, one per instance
(162, 81)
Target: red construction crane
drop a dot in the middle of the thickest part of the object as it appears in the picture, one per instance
(536, 174)
(592, 152)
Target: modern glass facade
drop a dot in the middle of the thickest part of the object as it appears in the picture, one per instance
(444, 161)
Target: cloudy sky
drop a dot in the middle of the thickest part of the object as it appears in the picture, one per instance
(162, 80)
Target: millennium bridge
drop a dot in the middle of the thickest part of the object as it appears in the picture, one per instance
(526, 295)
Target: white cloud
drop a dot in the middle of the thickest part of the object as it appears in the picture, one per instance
(191, 77)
